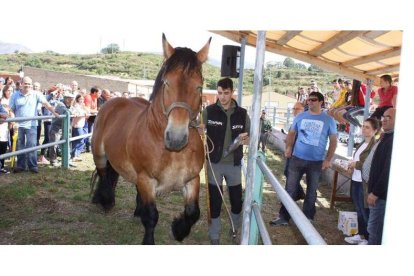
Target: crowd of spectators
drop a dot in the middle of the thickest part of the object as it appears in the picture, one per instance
(25, 98)
(371, 162)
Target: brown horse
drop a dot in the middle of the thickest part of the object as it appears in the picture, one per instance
(154, 144)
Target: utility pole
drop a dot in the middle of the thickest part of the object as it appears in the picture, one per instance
(270, 89)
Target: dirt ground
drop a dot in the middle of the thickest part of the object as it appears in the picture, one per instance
(53, 207)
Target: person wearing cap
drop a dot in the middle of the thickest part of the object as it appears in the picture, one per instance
(53, 98)
(23, 103)
(57, 124)
(307, 155)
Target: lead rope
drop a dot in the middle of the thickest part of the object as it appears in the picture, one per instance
(205, 146)
(204, 138)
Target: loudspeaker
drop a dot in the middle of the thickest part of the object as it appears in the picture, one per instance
(230, 61)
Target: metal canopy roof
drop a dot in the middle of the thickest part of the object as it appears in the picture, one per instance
(356, 54)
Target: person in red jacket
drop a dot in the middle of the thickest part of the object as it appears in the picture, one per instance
(388, 96)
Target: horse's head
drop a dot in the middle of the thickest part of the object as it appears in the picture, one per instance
(180, 84)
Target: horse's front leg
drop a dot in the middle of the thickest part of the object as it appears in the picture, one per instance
(181, 225)
(147, 210)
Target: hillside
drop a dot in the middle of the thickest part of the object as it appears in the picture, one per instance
(133, 65)
(8, 48)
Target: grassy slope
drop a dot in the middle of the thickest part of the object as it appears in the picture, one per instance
(134, 65)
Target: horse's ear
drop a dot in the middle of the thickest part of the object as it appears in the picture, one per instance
(168, 49)
(202, 55)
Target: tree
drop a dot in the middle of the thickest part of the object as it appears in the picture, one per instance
(300, 66)
(287, 75)
(314, 68)
(110, 49)
(279, 74)
(289, 63)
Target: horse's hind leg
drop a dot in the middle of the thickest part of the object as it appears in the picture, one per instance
(105, 192)
(181, 226)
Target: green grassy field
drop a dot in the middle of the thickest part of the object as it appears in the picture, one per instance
(54, 207)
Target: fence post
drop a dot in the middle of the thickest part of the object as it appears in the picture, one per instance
(66, 146)
(274, 116)
(257, 197)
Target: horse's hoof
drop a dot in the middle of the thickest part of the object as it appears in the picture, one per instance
(180, 229)
(148, 241)
(108, 207)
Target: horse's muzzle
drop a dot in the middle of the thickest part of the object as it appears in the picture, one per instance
(176, 139)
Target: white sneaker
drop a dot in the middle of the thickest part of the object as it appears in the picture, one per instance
(363, 242)
(356, 239)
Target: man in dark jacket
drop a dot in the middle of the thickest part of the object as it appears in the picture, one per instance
(378, 179)
(225, 122)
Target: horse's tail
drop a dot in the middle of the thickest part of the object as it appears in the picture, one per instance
(105, 192)
(92, 183)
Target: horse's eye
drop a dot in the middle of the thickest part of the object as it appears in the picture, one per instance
(200, 89)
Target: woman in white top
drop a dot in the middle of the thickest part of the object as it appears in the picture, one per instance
(369, 129)
(79, 110)
(4, 127)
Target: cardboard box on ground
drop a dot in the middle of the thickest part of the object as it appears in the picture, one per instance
(348, 223)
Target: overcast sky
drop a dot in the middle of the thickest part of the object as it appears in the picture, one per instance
(82, 41)
(83, 27)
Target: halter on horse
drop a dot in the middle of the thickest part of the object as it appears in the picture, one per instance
(153, 144)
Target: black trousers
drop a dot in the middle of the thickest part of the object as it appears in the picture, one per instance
(235, 194)
(3, 149)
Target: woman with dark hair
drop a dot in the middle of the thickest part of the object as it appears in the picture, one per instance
(9, 81)
(388, 96)
(356, 108)
(358, 190)
(5, 127)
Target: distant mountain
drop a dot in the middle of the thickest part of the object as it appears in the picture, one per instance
(9, 48)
